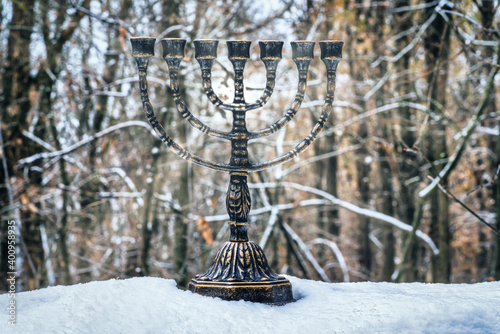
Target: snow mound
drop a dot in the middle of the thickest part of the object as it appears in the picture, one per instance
(155, 305)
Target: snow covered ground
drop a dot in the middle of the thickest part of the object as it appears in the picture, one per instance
(154, 305)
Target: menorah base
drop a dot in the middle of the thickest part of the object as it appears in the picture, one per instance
(275, 293)
(240, 271)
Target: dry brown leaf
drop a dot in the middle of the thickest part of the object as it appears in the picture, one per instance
(213, 201)
(24, 199)
(122, 37)
(204, 228)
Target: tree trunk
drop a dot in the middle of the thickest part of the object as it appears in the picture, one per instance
(385, 200)
(487, 10)
(363, 162)
(331, 164)
(15, 107)
(403, 21)
(436, 43)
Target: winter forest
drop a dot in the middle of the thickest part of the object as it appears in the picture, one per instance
(401, 185)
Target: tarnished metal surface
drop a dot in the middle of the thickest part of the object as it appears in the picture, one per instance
(251, 264)
(240, 269)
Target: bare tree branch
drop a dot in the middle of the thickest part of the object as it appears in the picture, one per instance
(319, 157)
(266, 209)
(453, 197)
(69, 149)
(306, 252)
(356, 209)
(465, 133)
(338, 254)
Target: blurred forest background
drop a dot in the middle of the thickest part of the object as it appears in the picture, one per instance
(402, 185)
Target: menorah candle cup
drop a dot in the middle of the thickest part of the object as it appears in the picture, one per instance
(238, 49)
(331, 53)
(143, 48)
(205, 52)
(270, 53)
(240, 269)
(173, 51)
(302, 54)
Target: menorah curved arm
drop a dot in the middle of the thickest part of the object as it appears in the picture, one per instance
(302, 54)
(268, 91)
(205, 52)
(331, 54)
(143, 50)
(206, 77)
(270, 55)
(173, 53)
(290, 114)
(302, 146)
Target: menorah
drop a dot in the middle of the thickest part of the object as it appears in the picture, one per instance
(240, 269)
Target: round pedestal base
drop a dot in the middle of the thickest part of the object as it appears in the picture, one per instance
(278, 292)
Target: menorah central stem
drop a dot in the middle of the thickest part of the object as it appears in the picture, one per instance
(238, 206)
(238, 200)
(238, 82)
(239, 142)
(238, 196)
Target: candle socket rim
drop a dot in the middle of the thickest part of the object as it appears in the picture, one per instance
(278, 53)
(176, 48)
(143, 46)
(210, 44)
(238, 50)
(174, 39)
(242, 41)
(208, 41)
(332, 41)
(331, 50)
(142, 37)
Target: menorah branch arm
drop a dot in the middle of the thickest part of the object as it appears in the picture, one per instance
(302, 146)
(160, 131)
(268, 91)
(173, 53)
(270, 55)
(302, 54)
(206, 76)
(143, 50)
(184, 110)
(205, 54)
(289, 115)
(331, 65)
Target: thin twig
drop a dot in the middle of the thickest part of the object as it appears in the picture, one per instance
(450, 195)
(265, 209)
(107, 194)
(410, 46)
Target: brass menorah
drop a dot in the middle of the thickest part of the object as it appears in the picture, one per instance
(240, 269)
